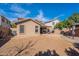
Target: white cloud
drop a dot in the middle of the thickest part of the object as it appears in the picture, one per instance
(22, 13)
(16, 8)
(58, 16)
(40, 16)
(4, 13)
(18, 11)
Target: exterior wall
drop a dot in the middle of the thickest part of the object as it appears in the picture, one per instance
(29, 28)
(56, 21)
(50, 28)
(77, 30)
(51, 23)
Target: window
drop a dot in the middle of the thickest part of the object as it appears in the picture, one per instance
(21, 28)
(36, 28)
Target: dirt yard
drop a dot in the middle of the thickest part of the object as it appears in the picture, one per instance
(35, 44)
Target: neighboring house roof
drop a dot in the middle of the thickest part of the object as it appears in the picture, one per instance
(37, 22)
(4, 18)
(49, 21)
(4, 22)
(52, 23)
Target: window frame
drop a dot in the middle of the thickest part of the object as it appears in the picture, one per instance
(21, 29)
(36, 29)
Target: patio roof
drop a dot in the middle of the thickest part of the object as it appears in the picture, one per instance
(76, 24)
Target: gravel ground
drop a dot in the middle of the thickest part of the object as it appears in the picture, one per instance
(40, 43)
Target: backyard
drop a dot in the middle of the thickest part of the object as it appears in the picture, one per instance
(36, 45)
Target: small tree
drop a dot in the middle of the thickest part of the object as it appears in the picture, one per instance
(60, 25)
(74, 17)
(13, 25)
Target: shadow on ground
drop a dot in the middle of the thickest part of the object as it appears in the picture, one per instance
(76, 45)
(3, 41)
(71, 52)
(47, 53)
(5, 36)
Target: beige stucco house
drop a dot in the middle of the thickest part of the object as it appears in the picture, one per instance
(27, 27)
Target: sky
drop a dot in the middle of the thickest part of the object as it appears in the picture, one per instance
(40, 11)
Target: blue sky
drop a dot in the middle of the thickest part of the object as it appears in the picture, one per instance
(40, 11)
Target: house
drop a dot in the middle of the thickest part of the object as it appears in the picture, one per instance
(50, 24)
(4, 22)
(28, 27)
(75, 29)
(4, 27)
